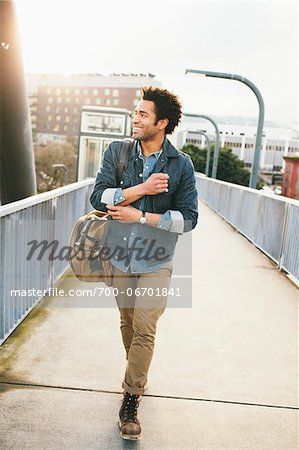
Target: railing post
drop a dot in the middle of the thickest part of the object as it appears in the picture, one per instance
(284, 227)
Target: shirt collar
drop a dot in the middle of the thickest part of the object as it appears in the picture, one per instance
(141, 155)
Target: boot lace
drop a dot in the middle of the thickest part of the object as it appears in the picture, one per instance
(131, 405)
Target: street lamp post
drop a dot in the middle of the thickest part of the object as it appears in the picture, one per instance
(208, 152)
(217, 140)
(231, 76)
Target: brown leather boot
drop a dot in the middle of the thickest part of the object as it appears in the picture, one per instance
(128, 423)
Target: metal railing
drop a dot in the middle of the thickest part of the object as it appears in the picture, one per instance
(48, 218)
(270, 222)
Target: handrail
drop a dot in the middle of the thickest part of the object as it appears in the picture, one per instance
(43, 197)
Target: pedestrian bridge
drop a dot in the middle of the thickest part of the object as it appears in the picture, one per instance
(225, 371)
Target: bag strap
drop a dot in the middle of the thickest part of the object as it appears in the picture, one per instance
(124, 157)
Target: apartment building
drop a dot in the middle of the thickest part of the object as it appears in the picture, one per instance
(55, 100)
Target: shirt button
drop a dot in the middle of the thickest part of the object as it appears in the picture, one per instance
(116, 257)
(146, 167)
(140, 174)
(132, 233)
(121, 182)
(125, 238)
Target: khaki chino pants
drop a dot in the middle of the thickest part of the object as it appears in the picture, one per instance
(141, 299)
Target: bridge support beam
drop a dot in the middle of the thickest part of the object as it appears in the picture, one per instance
(17, 168)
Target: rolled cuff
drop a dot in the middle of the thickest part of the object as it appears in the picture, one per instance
(172, 221)
(177, 225)
(112, 196)
(165, 221)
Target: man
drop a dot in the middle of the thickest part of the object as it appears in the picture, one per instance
(154, 203)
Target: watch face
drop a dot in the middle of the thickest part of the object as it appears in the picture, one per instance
(142, 220)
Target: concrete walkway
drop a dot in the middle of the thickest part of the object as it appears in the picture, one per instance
(224, 373)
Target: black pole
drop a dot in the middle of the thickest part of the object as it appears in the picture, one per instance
(17, 168)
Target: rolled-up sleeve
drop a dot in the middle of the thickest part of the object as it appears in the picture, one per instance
(172, 221)
(112, 196)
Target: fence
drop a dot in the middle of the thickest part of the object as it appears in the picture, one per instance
(47, 218)
(270, 222)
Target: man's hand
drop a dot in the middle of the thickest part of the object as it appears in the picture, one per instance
(156, 184)
(124, 213)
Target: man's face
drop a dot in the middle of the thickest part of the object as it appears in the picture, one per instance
(144, 120)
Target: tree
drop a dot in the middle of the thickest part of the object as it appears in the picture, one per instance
(55, 165)
(230, 167)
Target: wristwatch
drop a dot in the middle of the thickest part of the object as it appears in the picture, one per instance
(142, 219)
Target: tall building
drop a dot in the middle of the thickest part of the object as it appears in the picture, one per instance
(55, 100)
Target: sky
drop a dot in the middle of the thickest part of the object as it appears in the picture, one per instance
(258, 40)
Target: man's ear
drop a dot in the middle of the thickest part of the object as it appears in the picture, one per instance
(162, 124)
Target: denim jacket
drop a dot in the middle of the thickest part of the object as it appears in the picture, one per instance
(156, 245)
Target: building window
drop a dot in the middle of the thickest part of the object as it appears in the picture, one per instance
(50, 100)
(98, 101)
(58, 100)
(87, 101)
(136, 101)
(64, 127)
(48, 108)
(58, 118)
(66, 109)
(49, 118)
(58, 91)
(85, 91)
(108, 102)
(138, 93)
(75, 110)
(68, 100)
(95, 91)
(67, 119)
(56, 128)
(77, 100)
(77, 91)
(49, 90)
(115, 102)
(67, 91)
(107, 91)
(115, 93)
(57, 109)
